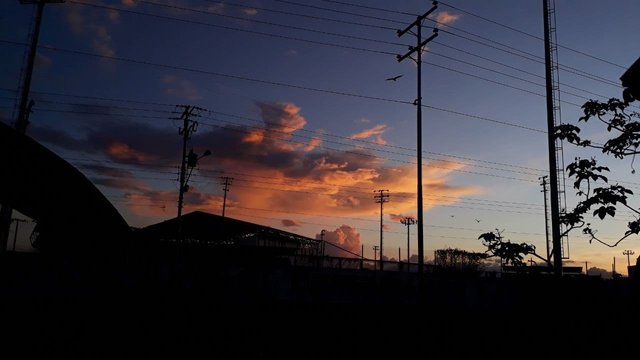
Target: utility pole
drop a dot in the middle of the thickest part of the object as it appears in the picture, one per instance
(226, 182)
(15, 234)
(24, 106)
(381, 198)
(375, 255)
(546, 216)
(188, 127)
(408, 221)
(418, 102)
(628, 252)
(553, 166)
(322, 241)
(586, 268)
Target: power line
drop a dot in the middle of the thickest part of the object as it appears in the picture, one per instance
(528, 56)
(312, 131)
(226, 3)
(262, 22)
(576, 71)
(306, 183)
(274, 83)
(338, 45)
(529, 34)
(371, 8)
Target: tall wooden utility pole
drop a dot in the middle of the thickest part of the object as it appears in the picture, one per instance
(408, 221)
(226, 182)
(418, 102)
(23, 108)
(381, 198)
(188, 127)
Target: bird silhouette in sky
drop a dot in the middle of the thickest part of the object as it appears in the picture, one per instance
(478, 221)
(394, 78)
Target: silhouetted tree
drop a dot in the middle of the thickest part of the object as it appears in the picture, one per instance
(458, 259)
(510, 252)
(602, 200)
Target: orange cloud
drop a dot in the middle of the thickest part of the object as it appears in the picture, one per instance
(367, 133)
(271, 171)
(345, 237)
(446, 18)
(380, 141)
(122, 151)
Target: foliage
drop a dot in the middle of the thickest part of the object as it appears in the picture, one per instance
(458, 259)
(510, 253)
(622, 123)
(596, 198)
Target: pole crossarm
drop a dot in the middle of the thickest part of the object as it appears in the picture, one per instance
(413, 49)
(419, 20)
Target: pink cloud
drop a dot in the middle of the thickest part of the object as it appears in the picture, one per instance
(446, 18)
(367, 133)
(345, 237)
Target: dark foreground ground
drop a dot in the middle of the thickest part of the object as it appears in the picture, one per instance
(61, 308)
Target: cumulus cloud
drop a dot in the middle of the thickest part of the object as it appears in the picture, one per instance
(345, 237)
(179, 87)
(446, 18)
(280, 170)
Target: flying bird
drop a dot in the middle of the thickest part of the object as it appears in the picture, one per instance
(394, 78)
(478, 221)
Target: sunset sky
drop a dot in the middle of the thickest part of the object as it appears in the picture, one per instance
(299, 113)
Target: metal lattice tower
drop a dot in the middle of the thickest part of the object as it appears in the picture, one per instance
(559, 153)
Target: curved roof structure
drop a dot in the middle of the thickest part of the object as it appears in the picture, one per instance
(70, 211)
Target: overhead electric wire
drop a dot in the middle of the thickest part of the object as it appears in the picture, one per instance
(323, 32)
(289, 182)
(340, 46)
(274, 83)
(527, 34)
(297, 142)
(527, 55)
(371, 8)
(324, 43)
(251, 119)
(227, 3)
